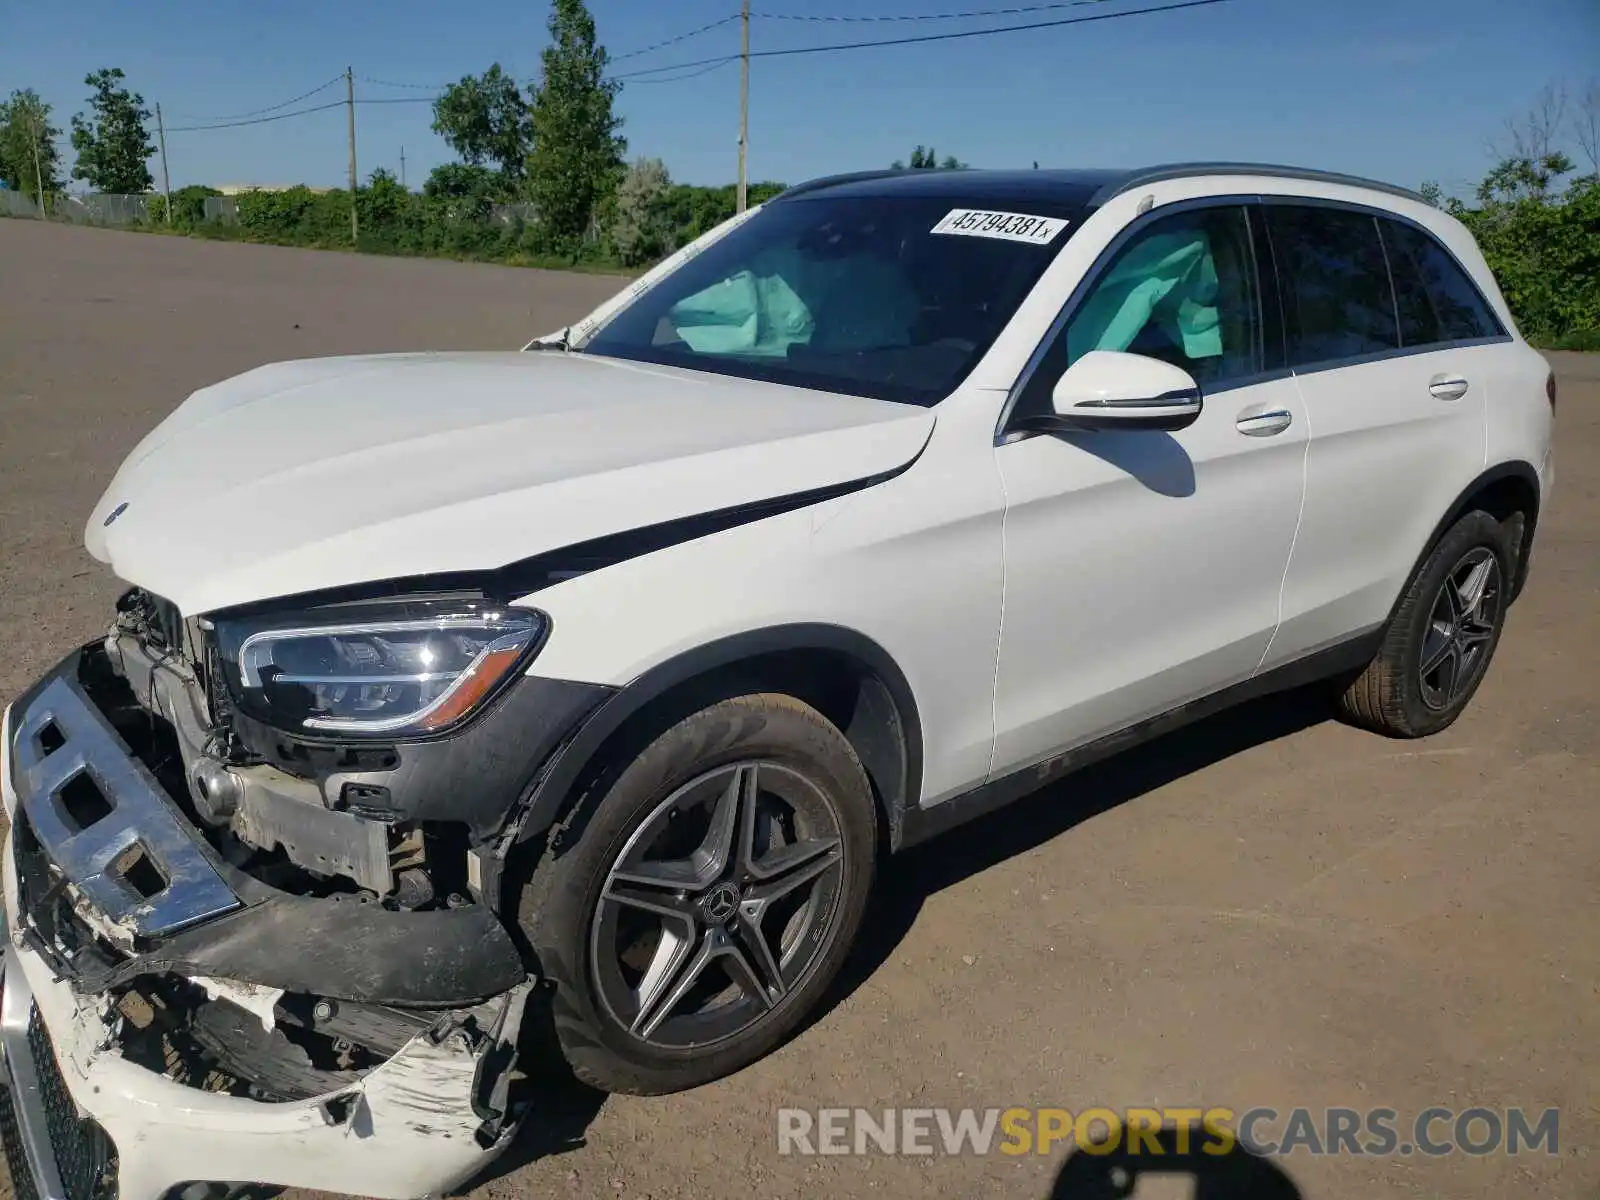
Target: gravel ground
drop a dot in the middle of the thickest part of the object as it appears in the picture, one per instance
(1268, 909)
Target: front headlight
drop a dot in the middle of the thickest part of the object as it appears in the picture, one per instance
(393, 667)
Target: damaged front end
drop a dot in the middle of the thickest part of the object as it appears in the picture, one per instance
(238, 955)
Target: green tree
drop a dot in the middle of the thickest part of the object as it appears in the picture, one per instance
(925, 157)
(383, 202)
(572, 168)
(463, 191)
(28, 153)
(113, 145)
(484, 119)
(640, 231)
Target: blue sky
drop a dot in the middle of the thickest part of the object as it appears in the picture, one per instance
(1404, 90)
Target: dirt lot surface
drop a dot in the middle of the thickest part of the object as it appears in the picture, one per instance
(1268, 909)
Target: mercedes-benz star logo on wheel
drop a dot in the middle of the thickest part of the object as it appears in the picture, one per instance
(721, 903)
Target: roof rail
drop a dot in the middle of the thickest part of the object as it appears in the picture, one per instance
(1189, 170)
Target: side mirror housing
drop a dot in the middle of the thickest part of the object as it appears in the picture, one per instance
(1108, 389)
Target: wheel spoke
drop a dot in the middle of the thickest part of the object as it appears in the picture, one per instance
(666, 874)
(751, 976)
(764, 965)
(1442, 649)
(672, 952)
(717, 851)
(788, 868)
(1452, 599)
(1471, 590)
(1475, 635)
(672, 984)
(650, 897)
(1450, 674)
(747, 782)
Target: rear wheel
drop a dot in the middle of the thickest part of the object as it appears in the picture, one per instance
(704, 895)
(1438, 646)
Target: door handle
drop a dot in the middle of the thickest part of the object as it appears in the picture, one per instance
(1447, 387)
(1260, 421)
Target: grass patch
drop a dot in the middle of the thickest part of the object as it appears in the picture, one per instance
(1579, 339)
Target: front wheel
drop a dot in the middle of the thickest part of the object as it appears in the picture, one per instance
(704, 895)
(1438, 646)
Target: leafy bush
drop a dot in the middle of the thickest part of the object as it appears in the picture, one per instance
(1543, 246)
(188, 206)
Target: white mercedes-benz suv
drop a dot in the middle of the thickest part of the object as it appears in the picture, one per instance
(591, 682)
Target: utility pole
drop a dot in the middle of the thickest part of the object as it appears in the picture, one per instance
(166, 180)
(350, 114)
(402, 167)
(38, 175)
(744, 96)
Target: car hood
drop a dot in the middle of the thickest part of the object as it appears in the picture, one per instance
(301, 476)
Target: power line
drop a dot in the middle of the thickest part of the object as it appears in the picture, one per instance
(706, 70)
(948, 16)
(672, 41)
(431, 87)
(275, 107)
(926, 37)
(299, 112)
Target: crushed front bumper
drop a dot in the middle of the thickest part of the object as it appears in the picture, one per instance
(408, 1129)
(83, 1120)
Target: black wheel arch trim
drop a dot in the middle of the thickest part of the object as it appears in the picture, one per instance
(550, 793)
(1513, 469)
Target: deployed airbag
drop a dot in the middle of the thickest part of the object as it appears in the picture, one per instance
(1166, 284)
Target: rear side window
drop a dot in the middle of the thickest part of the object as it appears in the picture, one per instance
(1335, 283)
(1437, 301)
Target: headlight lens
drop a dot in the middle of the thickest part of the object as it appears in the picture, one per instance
(393, 668)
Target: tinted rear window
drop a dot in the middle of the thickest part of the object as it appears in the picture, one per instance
(1438, 302)
(1335, 281)
(853, 294)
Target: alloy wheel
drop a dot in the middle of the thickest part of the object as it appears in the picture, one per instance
(1461, 625)
(718, 905)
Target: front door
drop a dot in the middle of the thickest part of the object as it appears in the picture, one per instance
(1143, 569)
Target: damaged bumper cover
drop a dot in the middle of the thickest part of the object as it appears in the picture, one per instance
(410, 1127)
(175, 1026)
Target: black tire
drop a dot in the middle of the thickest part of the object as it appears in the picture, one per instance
(736, 748)
(1395, 695)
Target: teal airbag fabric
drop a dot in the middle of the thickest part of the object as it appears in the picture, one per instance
(1168, 281)
(771, 306)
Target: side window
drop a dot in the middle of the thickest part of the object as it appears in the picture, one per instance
(1335, 283)
(1183, 290)
(1437, 300)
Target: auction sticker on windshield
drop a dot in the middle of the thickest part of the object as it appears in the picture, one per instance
(1010, 227)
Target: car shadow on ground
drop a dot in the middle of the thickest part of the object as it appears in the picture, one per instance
(1101, 1174)
(561, 1108)
(906, 880)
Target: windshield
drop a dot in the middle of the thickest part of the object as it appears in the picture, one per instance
(891, 297)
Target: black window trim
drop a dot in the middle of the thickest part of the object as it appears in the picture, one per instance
(1274, 328)
(1379, 215)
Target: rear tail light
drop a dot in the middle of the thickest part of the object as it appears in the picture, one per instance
(1550, 389)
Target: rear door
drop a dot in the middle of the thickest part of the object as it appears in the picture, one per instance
(1395, 401)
